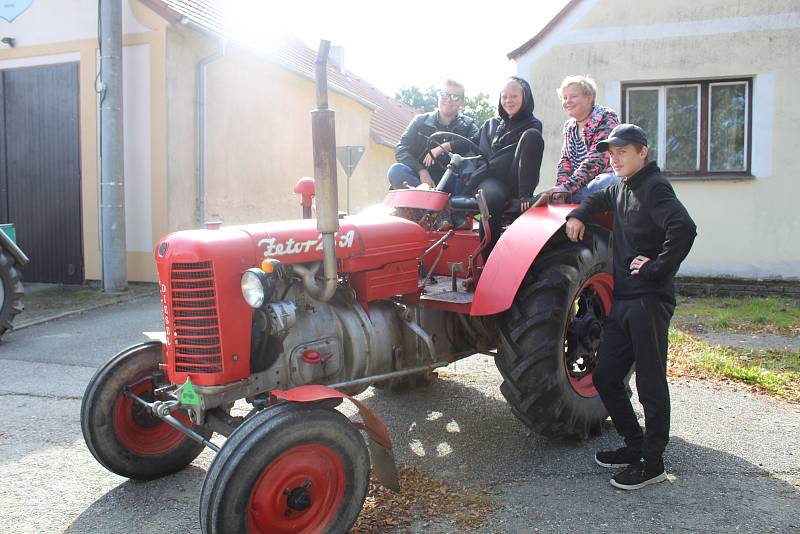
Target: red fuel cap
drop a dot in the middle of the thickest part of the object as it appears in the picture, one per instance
(311, 356)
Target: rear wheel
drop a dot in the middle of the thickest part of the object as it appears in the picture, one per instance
(293, 468)
(549, 338)
(122, 434)
(11, 292)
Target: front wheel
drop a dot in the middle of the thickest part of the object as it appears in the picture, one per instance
(122, 434)
(292, 468)
(549, 337)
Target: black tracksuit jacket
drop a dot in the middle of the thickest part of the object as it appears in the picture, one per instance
(413, 145)
(649, 220)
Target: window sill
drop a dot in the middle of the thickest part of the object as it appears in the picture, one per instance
(710, 177)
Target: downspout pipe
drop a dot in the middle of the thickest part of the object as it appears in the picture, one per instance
(323, 134)
(202, 76)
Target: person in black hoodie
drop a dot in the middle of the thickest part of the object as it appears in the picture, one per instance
(513, 144)
(653, 233)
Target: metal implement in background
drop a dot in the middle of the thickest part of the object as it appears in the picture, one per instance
(11, 291)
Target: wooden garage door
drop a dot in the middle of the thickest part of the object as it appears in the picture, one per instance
(40, 169)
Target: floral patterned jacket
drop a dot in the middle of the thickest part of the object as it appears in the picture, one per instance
(573, 176)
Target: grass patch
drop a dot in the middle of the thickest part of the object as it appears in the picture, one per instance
(776, 372)
(770, 315)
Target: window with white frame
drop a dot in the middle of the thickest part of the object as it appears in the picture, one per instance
(695, 128)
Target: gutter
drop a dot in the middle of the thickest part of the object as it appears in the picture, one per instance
(202, 76)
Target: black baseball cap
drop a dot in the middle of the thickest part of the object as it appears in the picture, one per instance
(623, 134)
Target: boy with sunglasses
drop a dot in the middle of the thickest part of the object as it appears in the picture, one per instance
(415, 165)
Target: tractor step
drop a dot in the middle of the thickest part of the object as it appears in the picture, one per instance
(441, 296)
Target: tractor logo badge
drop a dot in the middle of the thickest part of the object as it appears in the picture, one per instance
(12, 10)
(290, 246)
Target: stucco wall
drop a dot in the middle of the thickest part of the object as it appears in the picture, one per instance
(53, 31)
(747, 228)
(258, 139)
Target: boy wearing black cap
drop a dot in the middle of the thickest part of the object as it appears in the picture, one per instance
(653, 233)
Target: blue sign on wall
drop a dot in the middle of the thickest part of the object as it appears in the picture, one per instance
(10, 10)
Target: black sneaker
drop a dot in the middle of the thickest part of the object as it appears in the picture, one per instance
(639, 475)
(622, 457)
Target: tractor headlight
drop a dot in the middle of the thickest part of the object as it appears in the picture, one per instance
(257, 287)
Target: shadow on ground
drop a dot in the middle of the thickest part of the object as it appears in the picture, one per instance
(461, 433)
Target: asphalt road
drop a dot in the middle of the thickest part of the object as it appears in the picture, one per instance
(734, 458)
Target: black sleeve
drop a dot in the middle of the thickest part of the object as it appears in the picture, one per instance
(598, 202)
(680, 230)
(470, 130)
(403, 151)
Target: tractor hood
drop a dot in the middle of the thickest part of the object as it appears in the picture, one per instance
(361, 243)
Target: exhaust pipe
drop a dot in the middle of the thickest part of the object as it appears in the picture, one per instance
(323, 134)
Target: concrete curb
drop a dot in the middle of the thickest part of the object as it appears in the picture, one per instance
(77, 311)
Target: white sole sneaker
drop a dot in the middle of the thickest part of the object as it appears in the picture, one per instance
(655, 480)
(610, 466)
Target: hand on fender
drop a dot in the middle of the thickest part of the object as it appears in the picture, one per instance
(575, 229)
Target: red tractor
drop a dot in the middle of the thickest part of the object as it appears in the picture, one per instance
(295, 316)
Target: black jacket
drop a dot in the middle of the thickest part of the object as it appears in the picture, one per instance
(412, 147)
(499, 136)
(649, 220)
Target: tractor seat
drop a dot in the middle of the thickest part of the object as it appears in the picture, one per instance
(464, 203)
(470, 204)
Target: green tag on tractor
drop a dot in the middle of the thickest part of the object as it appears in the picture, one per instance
(188, 394)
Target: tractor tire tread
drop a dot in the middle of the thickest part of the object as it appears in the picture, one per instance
(530, 348)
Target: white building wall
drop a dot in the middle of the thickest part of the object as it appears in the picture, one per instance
(747, 228)
(59, 21)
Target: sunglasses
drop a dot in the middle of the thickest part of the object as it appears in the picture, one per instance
(452, 96)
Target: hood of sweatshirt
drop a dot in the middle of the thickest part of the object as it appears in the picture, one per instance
(526, 111)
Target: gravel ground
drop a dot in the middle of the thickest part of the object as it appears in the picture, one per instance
(733, 456)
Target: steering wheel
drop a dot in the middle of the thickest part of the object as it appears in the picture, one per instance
(432, 139)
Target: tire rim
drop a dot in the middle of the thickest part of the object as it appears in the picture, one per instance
(141, 432)
(300, 491)
(590, 307)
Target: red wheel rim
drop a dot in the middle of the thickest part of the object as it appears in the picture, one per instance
(143, 433)
(315, 468)
(590, 307)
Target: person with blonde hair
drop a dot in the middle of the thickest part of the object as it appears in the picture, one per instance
(583, 169)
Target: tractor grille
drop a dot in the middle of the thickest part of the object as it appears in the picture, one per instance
(194, 312)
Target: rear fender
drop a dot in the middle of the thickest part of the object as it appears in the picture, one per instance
(380, 444)
(513, 255)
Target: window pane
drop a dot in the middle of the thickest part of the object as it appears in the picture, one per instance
(643, 112)
(681, 149)
(727, 127)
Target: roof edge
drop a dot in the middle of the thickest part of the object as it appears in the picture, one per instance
(561, 15)
(163, 10)
(377, 139)
(174, 17)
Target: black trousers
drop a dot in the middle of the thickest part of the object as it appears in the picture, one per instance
(521, 180)
(636, 333)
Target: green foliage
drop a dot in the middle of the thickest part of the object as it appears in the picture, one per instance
(748, 314)
(775, 371)
(479, 107)
(415, 97)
